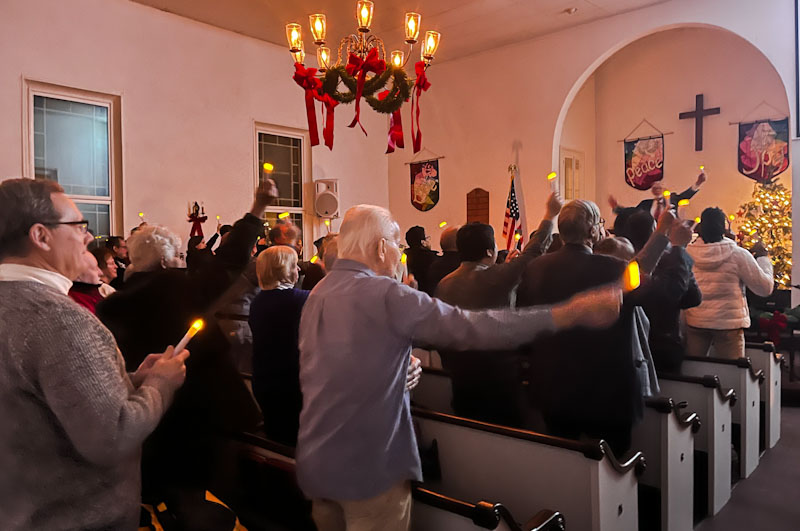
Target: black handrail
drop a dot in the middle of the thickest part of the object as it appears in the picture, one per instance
(666, 406)
(592, 448)
(709, 380)
(743, 363)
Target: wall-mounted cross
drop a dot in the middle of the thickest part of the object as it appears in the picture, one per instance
(698, 114)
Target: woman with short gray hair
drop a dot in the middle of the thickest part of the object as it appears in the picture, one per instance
(153, 247)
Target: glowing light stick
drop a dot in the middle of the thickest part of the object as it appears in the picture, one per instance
(403, 258)
(268, 167)
(217, 218)
(667, 193)
(327, 223)
(551, 178)
(697, 220)
(631, 278)
(314, 259)
(518, 236)
(442, 224)
(196, 327)
(683, 202)
(283, 215)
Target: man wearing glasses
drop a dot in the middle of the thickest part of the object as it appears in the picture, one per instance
(73, 419)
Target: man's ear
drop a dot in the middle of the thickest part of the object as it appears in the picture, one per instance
(40, 237)
(489, 253)
(382, 249)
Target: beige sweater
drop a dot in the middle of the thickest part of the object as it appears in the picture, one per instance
(72, 422)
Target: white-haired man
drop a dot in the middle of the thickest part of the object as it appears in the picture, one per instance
(73, 420)
(356, 448)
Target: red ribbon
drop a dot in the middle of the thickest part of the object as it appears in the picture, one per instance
(395, 128)
(420, 85)
(356, 65)
(327, 131)
(306, 78)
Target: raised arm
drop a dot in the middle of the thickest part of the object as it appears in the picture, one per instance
(756, 273)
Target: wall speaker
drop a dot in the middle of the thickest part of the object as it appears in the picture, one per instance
(326, 198)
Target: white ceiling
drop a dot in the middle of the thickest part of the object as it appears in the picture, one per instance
(467, 26)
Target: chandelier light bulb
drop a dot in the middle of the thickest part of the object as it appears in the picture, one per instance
(299, 56)
(412, 27)
(294, 35)
(431, 44)
(319, 27)
(397, 58)
(364, 14)
(323, 57)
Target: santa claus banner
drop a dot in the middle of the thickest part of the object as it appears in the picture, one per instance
(763, 149)
(425, 184)
(644, 161)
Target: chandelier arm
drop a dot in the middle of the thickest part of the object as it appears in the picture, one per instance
(408, 55)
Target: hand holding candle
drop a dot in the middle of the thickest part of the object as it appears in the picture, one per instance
(196, 327)
(551, 178)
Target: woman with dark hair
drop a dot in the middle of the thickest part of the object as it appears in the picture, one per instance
(723, 270)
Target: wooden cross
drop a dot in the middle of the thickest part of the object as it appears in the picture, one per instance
(698, 114)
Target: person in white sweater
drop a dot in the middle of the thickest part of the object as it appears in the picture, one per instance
(723, 270)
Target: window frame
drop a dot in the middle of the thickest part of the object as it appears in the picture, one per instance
(305, 176)
(32, 88)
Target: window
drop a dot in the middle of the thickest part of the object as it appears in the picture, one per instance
(285, 152)
(72, 137)
(571, 174)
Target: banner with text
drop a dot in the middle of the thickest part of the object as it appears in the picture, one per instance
(644, 161)
(763, 149)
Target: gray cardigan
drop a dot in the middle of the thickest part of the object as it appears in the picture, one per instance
(72, 422)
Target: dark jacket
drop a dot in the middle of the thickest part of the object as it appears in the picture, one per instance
(647, 204)
(419, 262)
(154, 311)
(486, 384)
(442, 266)
(671, 288)
(274, 322)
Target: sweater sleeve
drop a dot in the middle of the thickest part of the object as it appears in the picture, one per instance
(756, 273)
(83, 381)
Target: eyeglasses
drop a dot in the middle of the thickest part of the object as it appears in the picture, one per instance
(83, 225)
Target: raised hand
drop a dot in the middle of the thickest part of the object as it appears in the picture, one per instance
(266, 194)
(612, 202)
(681, 233)
(665, 222)
(553, 205)
(701, 178)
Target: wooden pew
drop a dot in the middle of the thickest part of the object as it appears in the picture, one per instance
(765, 358)
(433, 511)
(712, 457)
(666, 489)
(528, 470)
(739, 375)
(434, 391)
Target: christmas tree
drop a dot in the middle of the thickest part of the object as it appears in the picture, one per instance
(767, 218)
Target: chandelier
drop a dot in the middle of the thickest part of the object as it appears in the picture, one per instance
(358, 55)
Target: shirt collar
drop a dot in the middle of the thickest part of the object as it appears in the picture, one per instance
(19, 272)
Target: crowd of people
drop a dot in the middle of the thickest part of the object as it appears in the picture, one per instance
(541, 338)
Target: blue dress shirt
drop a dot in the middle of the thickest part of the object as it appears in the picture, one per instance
(356, 438)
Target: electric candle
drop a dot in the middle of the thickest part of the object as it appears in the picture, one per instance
(268, 167)
(551, 177)
(196, 327)
(442, 224)
(403, 258)
(283, 215)
(631, 278)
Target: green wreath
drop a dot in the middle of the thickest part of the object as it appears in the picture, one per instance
(398, 93)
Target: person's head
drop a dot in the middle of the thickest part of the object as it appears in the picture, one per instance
(371, 236)
(658, 189)
(713, 225)
(277, 265)
(223, 232)
(616, 246)
(475, 243)
(639, 227)
(91, 273)
(105, 260)
(621, 220)
(447, 241)
(40, 226)
(118, 246)
(284, 234)
(330, 251)
(580, 222)
(154, 247)
(416, 238)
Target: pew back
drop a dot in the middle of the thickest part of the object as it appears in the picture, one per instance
(528, 471)
(434, 391)
(765, 358)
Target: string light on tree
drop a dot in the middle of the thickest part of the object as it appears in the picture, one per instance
(767, 218)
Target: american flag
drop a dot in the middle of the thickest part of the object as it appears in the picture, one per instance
(512, 228)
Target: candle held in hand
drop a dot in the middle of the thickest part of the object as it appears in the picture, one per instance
(196, 327)
(442, 224)
(268, 167)
(551, 178)
(683, 202)
(631, 278)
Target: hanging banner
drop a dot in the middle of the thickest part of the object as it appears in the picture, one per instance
(763, 149)
(644, 161)
(425, 184)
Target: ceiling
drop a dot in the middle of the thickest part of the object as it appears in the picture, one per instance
(467, 26)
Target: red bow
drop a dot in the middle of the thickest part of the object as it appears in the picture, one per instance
(327, 130)
(774, 326)
(306, 78)
(395, 127)
(420, 85)
(356, 65)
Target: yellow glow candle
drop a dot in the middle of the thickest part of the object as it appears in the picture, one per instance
(268, 167)
(551, 178)
(697, 220)
(631, 278)
(667, 193)
(403, 258)
(702, 168)
(314, 259)
(196, 327)
(283, 215)
(442, 224)
(731, 217)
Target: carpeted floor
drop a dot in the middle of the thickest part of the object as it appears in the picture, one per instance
(769, 499)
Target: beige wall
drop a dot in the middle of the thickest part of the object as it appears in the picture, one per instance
(190, 93)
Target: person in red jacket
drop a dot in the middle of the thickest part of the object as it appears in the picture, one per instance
(85, 289)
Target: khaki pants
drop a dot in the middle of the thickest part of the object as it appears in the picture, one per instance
(727, 343)
(388, 511)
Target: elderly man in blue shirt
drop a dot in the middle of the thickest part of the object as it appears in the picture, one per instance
(356, 449)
